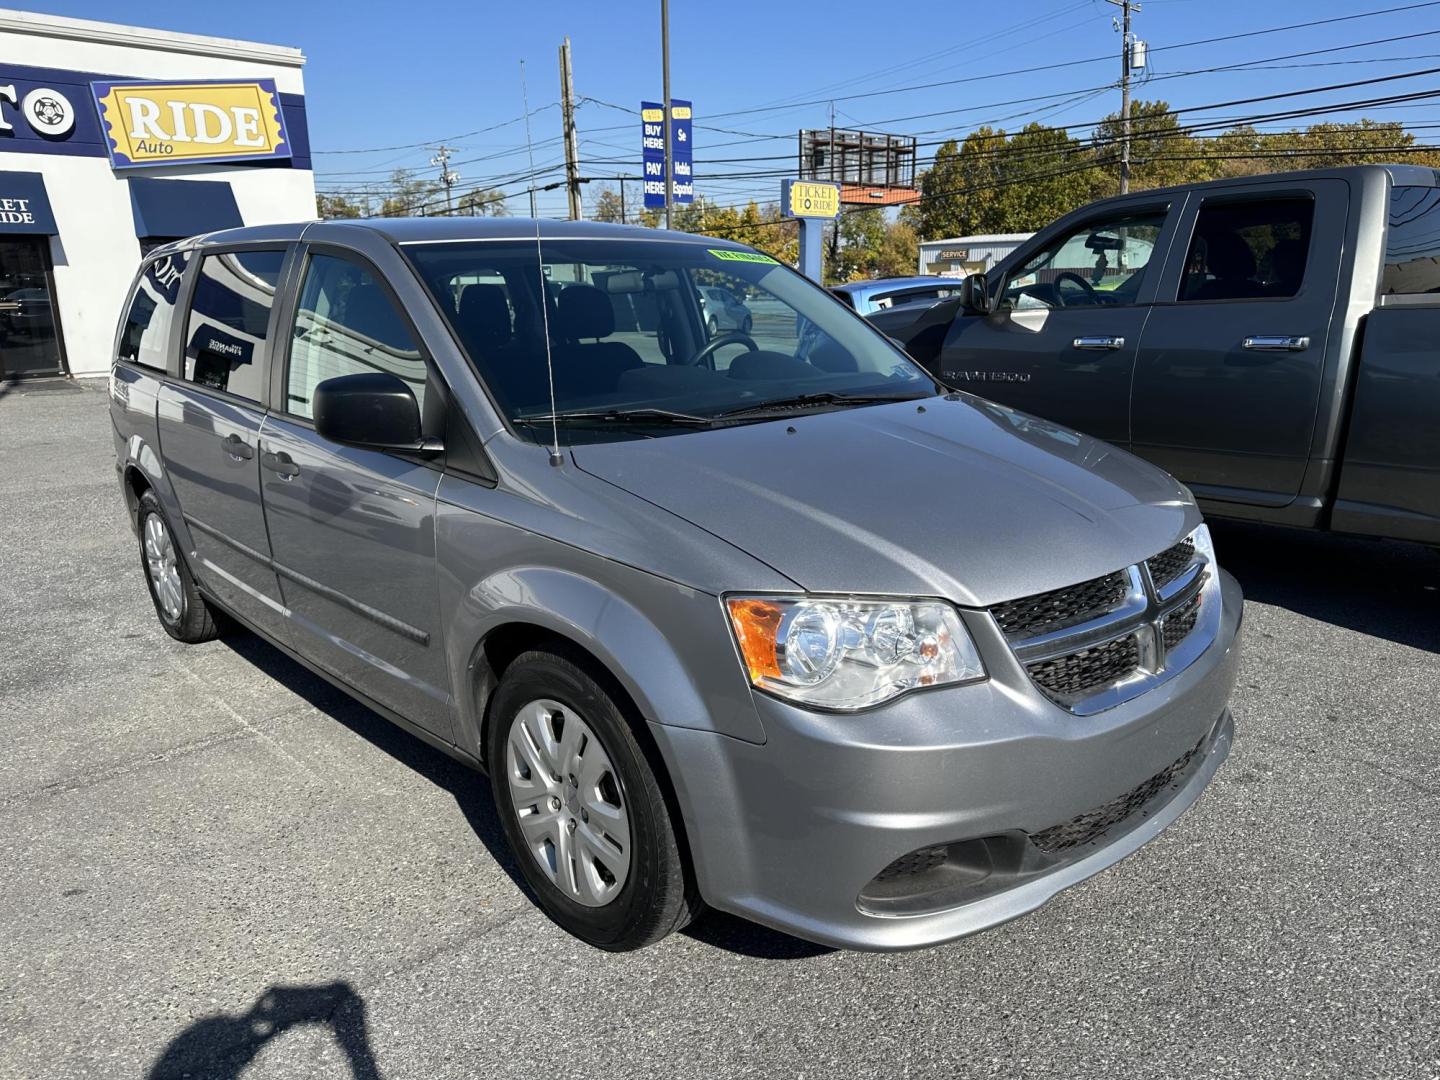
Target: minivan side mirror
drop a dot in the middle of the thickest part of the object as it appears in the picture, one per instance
(975, 295)
(371, 409)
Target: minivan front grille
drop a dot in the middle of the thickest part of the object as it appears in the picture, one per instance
(1090, 826)
(1178, 624)
(1171, 563)
(1091, 646)
(1078, 672)
(1060, 608)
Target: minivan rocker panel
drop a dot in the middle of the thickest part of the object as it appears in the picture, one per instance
(766, 621)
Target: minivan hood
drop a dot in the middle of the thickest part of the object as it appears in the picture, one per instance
(954, 496)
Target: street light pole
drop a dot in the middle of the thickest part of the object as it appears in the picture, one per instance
(665, 80)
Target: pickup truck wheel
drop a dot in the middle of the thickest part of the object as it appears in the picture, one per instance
(181, 609)
(581, 806)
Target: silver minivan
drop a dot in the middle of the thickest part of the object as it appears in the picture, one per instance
(768, 621)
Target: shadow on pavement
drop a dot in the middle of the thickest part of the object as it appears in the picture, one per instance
(222, 1046)
(471, 792)
(1383, 588)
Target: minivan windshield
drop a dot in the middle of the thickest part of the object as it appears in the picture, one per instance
(651, 337)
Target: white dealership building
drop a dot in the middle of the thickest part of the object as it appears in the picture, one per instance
(114, 139)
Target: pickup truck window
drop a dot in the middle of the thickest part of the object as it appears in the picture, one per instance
(1248, 250)
(152, 310)
(1412, 246)
(345, 324)
(1101, 262)
(229, 316)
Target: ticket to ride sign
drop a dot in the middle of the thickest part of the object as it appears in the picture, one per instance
(159, 123)
(803, 199)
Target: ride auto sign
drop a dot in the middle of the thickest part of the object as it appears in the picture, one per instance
(159, 123)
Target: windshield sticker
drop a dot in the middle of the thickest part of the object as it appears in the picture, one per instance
(743, 256)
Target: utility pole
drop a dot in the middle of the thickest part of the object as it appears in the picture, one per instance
(567, 119)
(834, 225)
(665, 80)
(1126, 7)
(441, 160)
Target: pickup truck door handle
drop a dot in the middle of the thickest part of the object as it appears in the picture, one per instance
(281, 463)
(1099, 344)
(1276, 343)
(237, 447)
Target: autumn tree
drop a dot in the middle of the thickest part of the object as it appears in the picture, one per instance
(608, 205)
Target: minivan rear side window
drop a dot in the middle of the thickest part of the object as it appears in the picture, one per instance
(1412, 247)
(1248, 250)
(146, 333)
(229, 318)
(346, 323)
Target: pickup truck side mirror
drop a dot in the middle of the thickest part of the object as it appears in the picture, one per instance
(372, 409)
(975, 295)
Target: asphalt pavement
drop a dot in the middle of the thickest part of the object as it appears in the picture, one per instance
(213, 864)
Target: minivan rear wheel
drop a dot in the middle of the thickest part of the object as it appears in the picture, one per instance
(581, 806)
(182, 611)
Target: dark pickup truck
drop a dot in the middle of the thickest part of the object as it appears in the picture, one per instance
(1274, 342)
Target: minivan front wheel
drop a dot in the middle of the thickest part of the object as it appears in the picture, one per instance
(581, 806)
(181, 609)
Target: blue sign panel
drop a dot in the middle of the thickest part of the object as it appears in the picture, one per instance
(652, 152)
(53, 111)
(24, 204)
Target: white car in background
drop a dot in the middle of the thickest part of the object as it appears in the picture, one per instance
(723, 310)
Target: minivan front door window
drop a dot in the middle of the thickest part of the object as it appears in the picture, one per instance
(345, 324)
(1101, 262)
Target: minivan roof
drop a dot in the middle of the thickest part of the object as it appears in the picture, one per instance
(416, 230)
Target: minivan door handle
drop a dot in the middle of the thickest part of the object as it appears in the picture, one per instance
(281, 463)
(1277, 343)
(1099, 344)
(237, 447)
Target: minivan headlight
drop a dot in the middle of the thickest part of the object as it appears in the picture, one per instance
(850, 654)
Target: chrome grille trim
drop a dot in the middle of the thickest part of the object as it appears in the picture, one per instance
(1141, 615)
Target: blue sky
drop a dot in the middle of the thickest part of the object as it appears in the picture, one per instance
(384, 75)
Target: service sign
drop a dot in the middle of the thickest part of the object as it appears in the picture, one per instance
(159, 123)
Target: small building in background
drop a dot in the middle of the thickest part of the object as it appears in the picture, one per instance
(113, 140)
(963, 255)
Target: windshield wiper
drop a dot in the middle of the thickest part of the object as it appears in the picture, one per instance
(618, 416)
(821, 397)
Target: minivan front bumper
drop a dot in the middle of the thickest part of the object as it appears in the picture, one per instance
(953, 783)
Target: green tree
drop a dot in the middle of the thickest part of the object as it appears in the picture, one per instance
(899, 252)
(994, 182)
(406, 195)
(336, 206)
(1162, 153)
(482, 202)
(861, 234)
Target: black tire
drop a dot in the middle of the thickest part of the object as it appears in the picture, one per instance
(747, 324)
(656, 897)
(196, 621)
